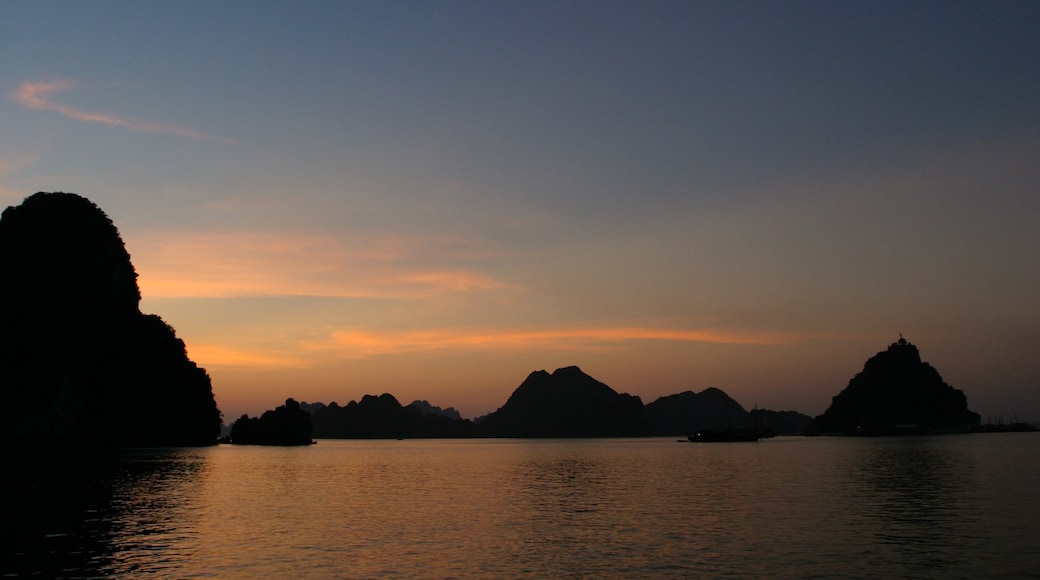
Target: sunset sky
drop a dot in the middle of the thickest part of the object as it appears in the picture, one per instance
(433, 199)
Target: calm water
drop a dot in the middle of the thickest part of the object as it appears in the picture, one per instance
(933, 507)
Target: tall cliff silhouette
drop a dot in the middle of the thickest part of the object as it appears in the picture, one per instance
(566, 403)
(79, 362)
(896, 393)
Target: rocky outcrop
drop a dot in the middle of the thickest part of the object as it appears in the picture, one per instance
(566, 403)
(384, 417)
(779, 422)
(427, 409)
(285, 425)
(896, 393)
(79, 362)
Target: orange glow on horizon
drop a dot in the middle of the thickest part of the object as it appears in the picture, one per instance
(362, 344)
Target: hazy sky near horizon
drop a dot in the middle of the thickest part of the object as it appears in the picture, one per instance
(433, 199)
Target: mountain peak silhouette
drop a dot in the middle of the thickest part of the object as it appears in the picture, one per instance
(566, 403)
(688, 412)
(894, 393)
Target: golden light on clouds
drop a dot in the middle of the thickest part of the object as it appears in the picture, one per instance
(179, 265)
(365, 343)
(357, 344)
(212, 355)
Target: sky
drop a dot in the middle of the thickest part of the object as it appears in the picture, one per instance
(434, 199)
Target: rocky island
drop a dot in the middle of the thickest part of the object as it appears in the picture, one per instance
(896, 393)
(566, 403)
(285, 425)
(79, 362)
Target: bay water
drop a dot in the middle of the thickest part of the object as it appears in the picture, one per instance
(955, 506)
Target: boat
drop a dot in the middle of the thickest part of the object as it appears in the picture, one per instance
(725, 435)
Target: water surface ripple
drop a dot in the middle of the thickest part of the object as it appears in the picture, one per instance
(918, 507)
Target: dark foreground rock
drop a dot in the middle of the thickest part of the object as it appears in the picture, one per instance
(79, 362)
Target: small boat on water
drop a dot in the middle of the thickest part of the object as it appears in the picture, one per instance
(725, 435)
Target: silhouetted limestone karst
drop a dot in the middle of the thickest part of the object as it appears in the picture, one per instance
(427, 409)
(689, 412)
(383, 417)
(779, 422)
(287, 424)
(79, 362)
(311, 407)
(896, 393)
(566, 403)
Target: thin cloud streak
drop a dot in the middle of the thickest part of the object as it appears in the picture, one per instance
(364, 344)
(248, 264)
(212, 355)
(36, 96)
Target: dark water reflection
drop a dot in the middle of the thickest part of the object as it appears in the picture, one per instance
(918, 500)
(77, 513)
(940, 507)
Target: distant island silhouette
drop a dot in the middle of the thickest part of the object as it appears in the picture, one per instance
(566, 403)
(427, 409)
(79, 361)
(896, 393)
(688, 412)
(384, 417)
(285, 425)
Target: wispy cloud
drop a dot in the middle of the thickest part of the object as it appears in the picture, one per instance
(212, 355)
(353, 343)
(225, 265)
(39, 95)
